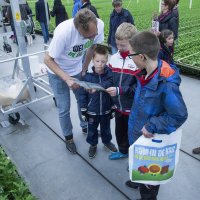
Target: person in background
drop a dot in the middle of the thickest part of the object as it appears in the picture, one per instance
(158, 105)
(124, 84)
(40, 12)
(76, 7)
(96, 106)
(59, 12)
(166, 39)
(64, 59)
(167, 19)
(87, 4)
(117, 17)
(25, 10)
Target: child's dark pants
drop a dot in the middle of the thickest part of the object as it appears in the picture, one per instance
(93, 123)
(149, 193)
(121, 132)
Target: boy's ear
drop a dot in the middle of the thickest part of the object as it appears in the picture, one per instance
(142, 57)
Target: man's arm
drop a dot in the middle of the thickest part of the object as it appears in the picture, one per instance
(53, 66)
(88, 57)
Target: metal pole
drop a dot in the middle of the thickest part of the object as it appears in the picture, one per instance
(21, 43)
(159, 9)
(190, 6)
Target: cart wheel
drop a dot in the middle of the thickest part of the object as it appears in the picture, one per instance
(14, 118)
(54, 99)
(35, 89)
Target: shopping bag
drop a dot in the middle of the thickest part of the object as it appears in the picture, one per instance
(154, 160)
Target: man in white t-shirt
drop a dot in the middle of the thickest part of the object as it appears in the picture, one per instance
(64, 59)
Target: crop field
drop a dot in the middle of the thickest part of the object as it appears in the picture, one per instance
(187, 51)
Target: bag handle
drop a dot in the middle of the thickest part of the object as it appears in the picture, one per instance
(156, 141)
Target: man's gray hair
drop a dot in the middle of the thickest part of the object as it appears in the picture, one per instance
(83, 18)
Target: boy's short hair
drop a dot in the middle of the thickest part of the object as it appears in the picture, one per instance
(83, 18)
(164, 34)
(100, 49)
(116, 3)
(125, 31)
(146, 43)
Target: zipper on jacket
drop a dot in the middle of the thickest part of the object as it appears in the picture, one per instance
(100, 93)
(120, 82)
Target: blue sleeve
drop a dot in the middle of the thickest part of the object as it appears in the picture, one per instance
(175, 113)
(76, 8)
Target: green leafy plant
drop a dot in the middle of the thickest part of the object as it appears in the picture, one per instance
(12, 186)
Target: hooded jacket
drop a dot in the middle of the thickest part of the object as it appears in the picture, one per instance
(158, 105)
(100, 102)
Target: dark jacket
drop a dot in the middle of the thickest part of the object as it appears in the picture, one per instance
(40, 11)
(115, 20)
(100, 102)
(89, 6)
(166, 53)
(159, 105)
(169, 21)
(60, 13)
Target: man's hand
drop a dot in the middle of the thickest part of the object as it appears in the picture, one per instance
(72, 84)
(112, 91)
(146, 133)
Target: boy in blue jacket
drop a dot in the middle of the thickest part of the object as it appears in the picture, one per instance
(96, 105)
(158, 106)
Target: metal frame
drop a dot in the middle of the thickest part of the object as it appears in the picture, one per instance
(30, 81)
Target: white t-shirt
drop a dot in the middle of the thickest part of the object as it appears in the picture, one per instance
(68, 46)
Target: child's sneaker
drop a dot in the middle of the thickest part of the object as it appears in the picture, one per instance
(132, 184)
(117, 155)
(92, 151)
(110, 146)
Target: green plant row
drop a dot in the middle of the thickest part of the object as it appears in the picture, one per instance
(12, 186)
(142, 11)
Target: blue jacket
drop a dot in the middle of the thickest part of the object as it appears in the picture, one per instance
(76, 7)
(40, 11)
(98, 103)
(115, 20)
(158, 105)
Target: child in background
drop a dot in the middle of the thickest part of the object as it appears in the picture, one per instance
(96, 106)
(158, 106)
(166, 38)
(124, 84)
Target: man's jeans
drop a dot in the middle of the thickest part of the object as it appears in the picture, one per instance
(45, 31)
(62, 95)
